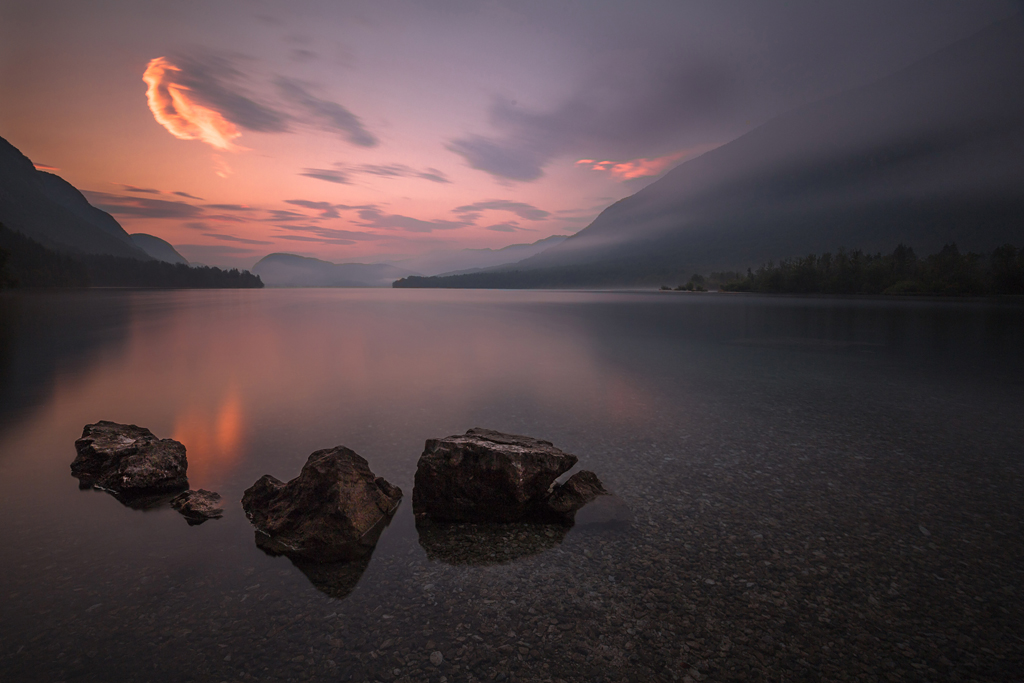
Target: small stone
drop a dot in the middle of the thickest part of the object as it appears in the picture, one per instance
(436, 658)
(198, 506)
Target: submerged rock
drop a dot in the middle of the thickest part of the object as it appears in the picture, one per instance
(488, 476)
(335, 510)
(198, 506)
(129, 460)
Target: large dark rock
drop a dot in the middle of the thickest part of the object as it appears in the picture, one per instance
(128, 460)
(335, 510)
(487, 476)
(198, 506)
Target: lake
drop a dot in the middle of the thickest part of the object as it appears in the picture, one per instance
(821, 488)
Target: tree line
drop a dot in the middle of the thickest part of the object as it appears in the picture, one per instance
(946, 273)
(27, 263)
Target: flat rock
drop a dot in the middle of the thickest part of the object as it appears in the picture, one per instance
(128, 460)
(488, 476)
(198, 506)
(335, 510)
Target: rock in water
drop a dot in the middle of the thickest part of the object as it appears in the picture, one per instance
(577, 491)
(487, 476)
(335, 510)
(198, 506)
(129, 460)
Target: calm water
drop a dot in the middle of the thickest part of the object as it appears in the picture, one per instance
(782, 456)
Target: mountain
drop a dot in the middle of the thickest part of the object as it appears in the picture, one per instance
(289, 270)
(929, 155)
(157, 248)
(463, 260)
(51, 211)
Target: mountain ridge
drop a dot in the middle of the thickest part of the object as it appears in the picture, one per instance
(53, 212)
(928, 155)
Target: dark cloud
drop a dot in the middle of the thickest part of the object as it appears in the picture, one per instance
(331, 176)
(140, 190)
(324, 113)
(318, 240)
(188, 196)
(434, 175)
(318, 233)
(629, 110)
(401, 171)
(281, 215)
(521, 209)
(342, 173)
(231, 207)
(326, 209)
(374, 218)
(216, 81)
(232, 238)
(504, 158)
(143, 207)
(510, 226)
(302, 55)
(225, 217)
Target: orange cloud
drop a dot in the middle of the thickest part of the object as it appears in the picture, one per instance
(637, 168)
(183, 117)
(44, 167)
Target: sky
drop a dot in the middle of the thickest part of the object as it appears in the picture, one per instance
(368, 131)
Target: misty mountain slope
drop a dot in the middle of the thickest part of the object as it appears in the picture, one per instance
(448, 262)
(53, 212)
(931, 154)
(290, 270)
(159, 249)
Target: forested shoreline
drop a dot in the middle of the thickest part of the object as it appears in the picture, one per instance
(946, 273)
(25, 263)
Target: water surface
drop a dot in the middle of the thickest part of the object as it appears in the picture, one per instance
(819, 486)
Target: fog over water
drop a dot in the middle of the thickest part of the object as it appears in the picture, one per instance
(793, 445)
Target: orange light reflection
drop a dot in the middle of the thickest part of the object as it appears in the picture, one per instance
(213, 441)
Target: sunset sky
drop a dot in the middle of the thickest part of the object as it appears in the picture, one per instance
(357, 131)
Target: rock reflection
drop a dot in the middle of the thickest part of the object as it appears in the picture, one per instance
(461, 543)
(214, 436)
(145, 502)
(337, 580)
(486, 544)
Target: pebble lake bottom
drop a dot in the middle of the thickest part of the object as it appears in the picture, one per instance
(821, 488)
